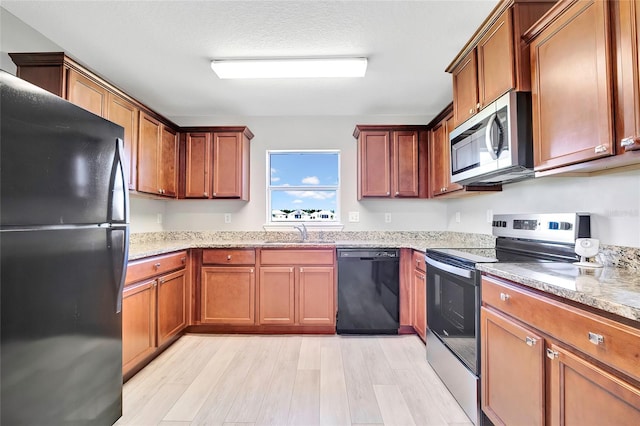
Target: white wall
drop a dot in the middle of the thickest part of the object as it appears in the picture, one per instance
(333, 132)
(613, 199)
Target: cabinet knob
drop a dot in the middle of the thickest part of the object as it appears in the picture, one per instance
(159, 191)
(530, 341)
(471, 111)
(155, 283)
(214, 194)
(388, 193)
(504, 297)
(251, 270)
(596, 339)
(183, 260)
(551, 354)
(156, 266)
(228, 257)
(600, 149)
(161, 280)
(626, 142)
(478, 106)
(205, 194)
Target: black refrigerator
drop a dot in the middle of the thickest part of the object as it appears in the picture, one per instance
(64, 238)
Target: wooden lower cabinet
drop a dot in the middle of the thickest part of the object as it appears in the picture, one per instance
(172, 305)
(582, 394)
(546, 362)
(316, 296)
(512, 371)
(228, 295)
(419, 303)
(277, 295)
(138, 323)
(154, 307)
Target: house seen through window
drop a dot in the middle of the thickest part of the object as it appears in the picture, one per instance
(303, 186)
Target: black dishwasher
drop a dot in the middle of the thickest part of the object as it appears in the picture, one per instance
(368, 288)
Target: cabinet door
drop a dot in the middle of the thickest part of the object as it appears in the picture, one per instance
(496, 62)
(227, 165)
(440, 159)
(172, 305)
(168, 162)
(316, 296)
(465, 88)
(582, 394)
(513, 371)
(125, 114)
(405, 164)
(86, 93)
(419, 304)
(374, 177)
(198, 173)
(627, 61)
(571, 81)
(148, 141)
(228, 295)
(276, 295)
(138, 323)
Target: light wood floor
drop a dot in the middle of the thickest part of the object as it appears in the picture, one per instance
(290, 380)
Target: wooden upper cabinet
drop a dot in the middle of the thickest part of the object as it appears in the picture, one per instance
(215, 163)
(626, 20)
(86, 93)
(571, 93)
(465, 88)
(440, 157)
(198, 165)
(126, 114)
(374, 155)
(168, 162)
(494, 60)
(157, 157)
(405, 164)
(392, 161)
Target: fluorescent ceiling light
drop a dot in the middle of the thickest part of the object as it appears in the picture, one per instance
(290, 68)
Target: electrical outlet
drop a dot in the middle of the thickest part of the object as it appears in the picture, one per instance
(354, 216)
(457, 217)
(227, 218)
(489, 216)
(159, 218)
(387, 218)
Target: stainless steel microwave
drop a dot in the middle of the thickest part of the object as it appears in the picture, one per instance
(495, 146)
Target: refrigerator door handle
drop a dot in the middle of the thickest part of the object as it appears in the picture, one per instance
(119, 248)
(119, 204)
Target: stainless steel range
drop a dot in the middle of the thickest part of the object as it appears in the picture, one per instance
(453, 292)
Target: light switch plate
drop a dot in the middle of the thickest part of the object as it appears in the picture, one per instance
(457, 217)
(387, 218)
(227, 218)
(354, 216)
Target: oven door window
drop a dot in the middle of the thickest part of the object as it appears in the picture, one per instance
(452, 313)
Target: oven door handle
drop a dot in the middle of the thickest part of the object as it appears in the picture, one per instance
(461, 272)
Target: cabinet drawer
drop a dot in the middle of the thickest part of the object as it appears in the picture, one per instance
(608, 341)
(152, 266)
(229, 257)
(297, 257)
(418, 261)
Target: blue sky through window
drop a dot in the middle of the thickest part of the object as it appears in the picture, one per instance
(312, 177)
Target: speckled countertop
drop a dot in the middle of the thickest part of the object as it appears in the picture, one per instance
(611, 289)
(144, 245)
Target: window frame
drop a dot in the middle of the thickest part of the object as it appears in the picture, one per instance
(336, 223)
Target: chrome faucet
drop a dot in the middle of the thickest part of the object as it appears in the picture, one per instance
(303, 231)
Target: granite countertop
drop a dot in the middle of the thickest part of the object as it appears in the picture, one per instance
(611, 289)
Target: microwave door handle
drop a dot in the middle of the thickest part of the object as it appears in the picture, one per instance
(487, 137)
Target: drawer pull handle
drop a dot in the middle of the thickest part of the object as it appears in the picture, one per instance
(157, 265)
(530, 341)
(596, 339)
(504, 297)
(551, 354)
(600, 149)
(228, 257)
(161, 280)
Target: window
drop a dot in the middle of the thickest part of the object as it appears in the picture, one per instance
(303, 186)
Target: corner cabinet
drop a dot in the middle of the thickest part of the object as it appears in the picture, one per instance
(297, 287)
(154, 307)
(547, 362)
(216, 163)
(392, 161)
(494, 61)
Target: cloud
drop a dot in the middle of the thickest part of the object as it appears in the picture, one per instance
(273, 170)
(316, 195)
(297, 201)
(311, 180)
(275, 179)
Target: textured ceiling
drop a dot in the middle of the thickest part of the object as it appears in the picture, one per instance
(159, 51)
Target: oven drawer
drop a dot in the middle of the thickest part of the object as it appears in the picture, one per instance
(610, 342)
